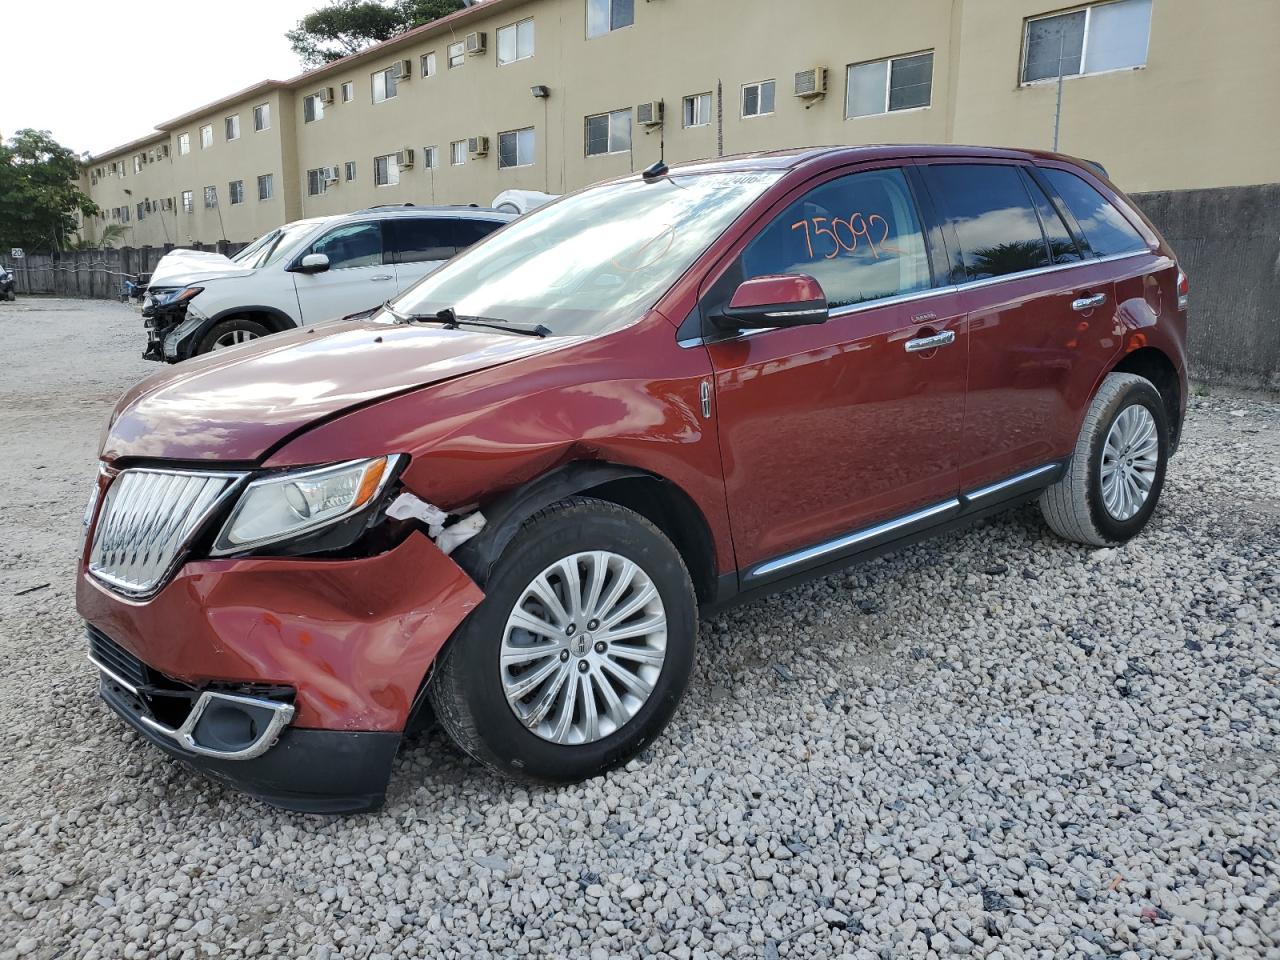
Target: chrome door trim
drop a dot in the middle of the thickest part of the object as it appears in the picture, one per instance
(932, 342)
(851, 539)
(991, 490)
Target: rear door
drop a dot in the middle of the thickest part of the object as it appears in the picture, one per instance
(1040, 317)
(417, 245)
(357, 278)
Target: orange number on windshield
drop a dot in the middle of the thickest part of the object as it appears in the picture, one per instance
(857, 225)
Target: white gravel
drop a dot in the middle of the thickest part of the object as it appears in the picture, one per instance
(995, 744)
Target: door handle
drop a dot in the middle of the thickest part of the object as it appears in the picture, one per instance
(383, 276)
(920, 344)
(1081, 304)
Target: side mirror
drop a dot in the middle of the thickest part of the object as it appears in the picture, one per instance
(312, 263)
(783, 300)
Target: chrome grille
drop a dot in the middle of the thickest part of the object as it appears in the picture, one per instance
(146, 522)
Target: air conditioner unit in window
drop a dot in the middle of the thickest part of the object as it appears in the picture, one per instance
(329, 174)
(649, 114)
(404, 158)
(811, 82)
(476, 43)
(325, 94)
(478, 146)
(404, 69)
(164, 150)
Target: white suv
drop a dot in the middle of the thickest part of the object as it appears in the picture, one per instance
(305, 272)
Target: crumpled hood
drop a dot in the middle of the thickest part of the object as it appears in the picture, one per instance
(182, 268)
(235, 405)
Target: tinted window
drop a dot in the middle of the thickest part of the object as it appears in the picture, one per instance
(1105, 227)
(859, 236)
(354, 245)
(412, 241)
(1062, 249)
(467, 232)
(994, 220)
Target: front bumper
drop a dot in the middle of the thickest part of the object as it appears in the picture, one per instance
(346, 643)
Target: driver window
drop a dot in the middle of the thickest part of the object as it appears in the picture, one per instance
(859, 236)
(353, 245)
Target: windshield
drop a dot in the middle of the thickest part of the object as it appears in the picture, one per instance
(270, 246)
(592, 262)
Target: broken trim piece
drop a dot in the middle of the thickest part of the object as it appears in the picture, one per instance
(447, 536)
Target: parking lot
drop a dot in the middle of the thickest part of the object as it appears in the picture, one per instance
(992, 744)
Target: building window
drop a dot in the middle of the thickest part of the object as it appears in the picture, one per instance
(210, 197)
(757, 98)
(515, 148)
(142, 212)
(386, 171)
(348, 91)
(315, 181)
(458, 153)
(349, 170)
(235, 191)
(429, 64)
(457, 53)
(609, 133)
(206, 136)
(697, 110)
(1105, 36)
(184, 144)
(137, 163)
(124, 211)
(604, 16)
(266, 186)
(430, 157)
(188, 202)
(262, 117)
(312, 108)
(232, 125)
(883, 86)
(515, 42)
(384, 85)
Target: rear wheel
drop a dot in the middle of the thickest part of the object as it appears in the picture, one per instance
(580, 651)
(1114, 479)
(230, 333)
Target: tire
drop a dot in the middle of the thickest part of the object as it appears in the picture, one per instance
(1076, 506)
(469, 691)
(229, 328)
(11, 296)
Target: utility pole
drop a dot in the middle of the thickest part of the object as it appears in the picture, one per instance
(1057, 113)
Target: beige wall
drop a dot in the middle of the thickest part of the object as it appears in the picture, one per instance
(1194, 116)
(110, 191)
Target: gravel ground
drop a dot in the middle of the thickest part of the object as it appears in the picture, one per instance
(995, 744)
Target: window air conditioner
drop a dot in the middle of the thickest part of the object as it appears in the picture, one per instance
(811, 82)
(404, 158)
(404, 69)
(476, 43)
(478, 146)
(325, 94)
(649, 114)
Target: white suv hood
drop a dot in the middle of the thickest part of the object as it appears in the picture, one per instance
(181, 268)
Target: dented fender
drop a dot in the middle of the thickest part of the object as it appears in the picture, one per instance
(354, 637)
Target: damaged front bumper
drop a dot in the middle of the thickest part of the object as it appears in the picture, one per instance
(291, 678)
(171, 328)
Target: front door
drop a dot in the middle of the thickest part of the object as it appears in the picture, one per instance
(828, 429)
(357, 278)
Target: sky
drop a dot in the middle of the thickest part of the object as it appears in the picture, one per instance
(97, 75)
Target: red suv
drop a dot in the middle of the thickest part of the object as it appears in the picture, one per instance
(504, 497)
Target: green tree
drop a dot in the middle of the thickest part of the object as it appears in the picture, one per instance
(345, 27)
(38, 192)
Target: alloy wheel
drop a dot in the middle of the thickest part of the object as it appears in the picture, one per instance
(233, 337)
(1130, 457)
(583, 647)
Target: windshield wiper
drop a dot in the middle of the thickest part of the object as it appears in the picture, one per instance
(450, 320)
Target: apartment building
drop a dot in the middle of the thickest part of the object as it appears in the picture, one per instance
(555, 94)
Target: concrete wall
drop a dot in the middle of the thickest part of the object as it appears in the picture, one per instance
(1228, 241)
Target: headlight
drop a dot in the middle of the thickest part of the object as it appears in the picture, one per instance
(289, 504)
(169, 298)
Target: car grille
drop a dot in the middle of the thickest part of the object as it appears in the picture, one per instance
(117, 659)
(147, 520)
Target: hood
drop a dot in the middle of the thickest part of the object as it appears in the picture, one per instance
(181, 268)
(235, 405)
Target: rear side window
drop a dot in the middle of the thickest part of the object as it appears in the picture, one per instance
(859, 236)
(467, 232)
(1062, 249)
(416, 240)
(994, 219)
(1105, 227)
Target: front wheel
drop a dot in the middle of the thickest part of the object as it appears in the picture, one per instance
(230, 333)
(580, 652)
(1113, 482)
